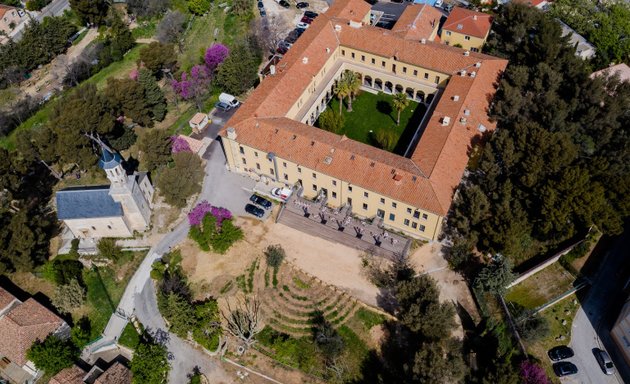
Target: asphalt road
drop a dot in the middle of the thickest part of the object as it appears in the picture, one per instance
(55, 8)
(599, 309)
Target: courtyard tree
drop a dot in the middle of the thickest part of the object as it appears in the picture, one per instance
(243, 319)
(400, 102)
(353, 82)
(386, 138)
(342, 90)
(52, 354)
(68, 297)
(331, 121)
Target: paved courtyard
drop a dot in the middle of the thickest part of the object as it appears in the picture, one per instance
(340, 226)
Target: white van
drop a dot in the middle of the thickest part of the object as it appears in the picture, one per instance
(229, 100)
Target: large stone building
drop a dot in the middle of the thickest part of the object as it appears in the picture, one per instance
(10, 18)
(271, 136)
(116, 210)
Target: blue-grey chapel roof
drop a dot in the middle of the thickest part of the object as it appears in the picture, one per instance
(86, 203)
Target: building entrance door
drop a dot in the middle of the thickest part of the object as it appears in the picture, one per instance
(380, 213)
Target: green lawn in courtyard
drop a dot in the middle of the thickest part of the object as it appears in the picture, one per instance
(371, 112)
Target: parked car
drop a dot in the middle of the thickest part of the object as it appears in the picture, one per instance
(254, 210)
(222, 106)
(261, 5)
(310, 14)
(564, 368)
(282, 193)
(302, 25)
(284, 4)
(263, 13)
(438, 3)
(604, 361)
(285, 44)
(302, 5)
(448, 7)
(306, 20)
(260, 201)
(300, 31)
(291, 39)
(282, 50)
(560, 352)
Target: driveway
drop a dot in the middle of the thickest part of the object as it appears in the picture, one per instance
(592, 323)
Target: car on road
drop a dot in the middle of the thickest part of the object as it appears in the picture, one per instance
(282, 50)
(284, 4)
(306, 20)
(560, 352)
(254, 210)
(311, 14)
(564, 368)
(260, 201)
(604, 361)
(261, 5)
(285, 44)
(302, 5)
(301, 25)
(300, 31)
(222, 106)
(291, 38)
(263, 13)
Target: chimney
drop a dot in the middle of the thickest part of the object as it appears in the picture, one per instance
(231, 133)
(423, 41)
(478, 64)
(337, 27)
(327, 50)
(474, 17)
(446, 121)
(466, 53)
(456, 98)
(305, 60)
(272, 70)
(473, 74)
(462, 73)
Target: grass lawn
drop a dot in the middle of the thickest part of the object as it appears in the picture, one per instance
(145, 29)
(105, 287)
(372, 112)
(564, 310)
(541, 287)
(129, 337)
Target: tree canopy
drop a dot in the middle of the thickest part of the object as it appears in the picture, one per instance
(52, 354)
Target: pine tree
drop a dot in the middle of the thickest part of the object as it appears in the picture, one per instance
(153, 95)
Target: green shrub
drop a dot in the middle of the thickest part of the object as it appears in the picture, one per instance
(275, 254)
(369, 318)
(331, 121)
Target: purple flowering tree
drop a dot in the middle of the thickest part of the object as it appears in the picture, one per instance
(533, 374)
(215, 56)
(178, 144)
(194, 86)
(196, 215)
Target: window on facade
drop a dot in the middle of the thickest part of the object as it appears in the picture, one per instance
(414, 225)
(255, 153)
(244, 161)
(349, 201)
(352, 55)
(394, 205)
(421, 228)
(334, 182)
(415, 72)
(425, 216)
(373, 61)
(334, 195)
(350, 188)
(362, 57)
(382, 201)
(343, 52)
(284, 164)
(406, 222)
(474, 49)
(466, 37)
(271, 171)
(365, 194)
(392, 217)
(365, 206)
(242, 150)
(299, 170)
(257, 166)
(314, 187)
(409, 210)
(437, 79)
(404, 69)
(448, 33)
(383, 64)
(109, 227)
(426, 76)
(286, 177)
(416, 215)
(314, 175)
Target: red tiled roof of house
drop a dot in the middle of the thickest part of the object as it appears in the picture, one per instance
(424, 180)
(72, 375)
(23, 325)
(5, 298)
(4, 9)
(354, 10)
(417, 22)
(116, 374)
(465, 21)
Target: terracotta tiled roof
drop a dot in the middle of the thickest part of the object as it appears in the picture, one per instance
(198, 118)
(72, 375)
(23, 325)
(465, 21)
(350, 10)
(5, 298)
(116, 374)
(4, 9)
(417, 22)
(428, 179)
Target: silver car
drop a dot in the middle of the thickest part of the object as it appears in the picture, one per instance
(604, 361)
